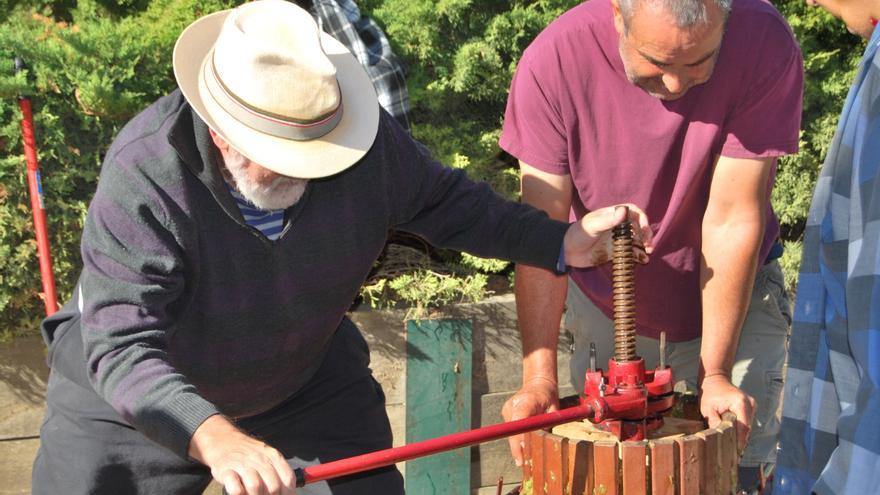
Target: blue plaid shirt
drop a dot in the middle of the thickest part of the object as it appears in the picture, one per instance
(364, 38)
(830, 437)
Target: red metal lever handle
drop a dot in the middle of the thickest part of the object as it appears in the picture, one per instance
(382, 458)
(36, 193)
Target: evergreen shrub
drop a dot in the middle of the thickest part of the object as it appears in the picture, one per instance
(90, 70)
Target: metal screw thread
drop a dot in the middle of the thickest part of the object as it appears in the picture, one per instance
(622, 273)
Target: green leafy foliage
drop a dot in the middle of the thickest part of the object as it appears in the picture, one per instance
(831, 56)
(86, 77)
(95, 63)
(423, 290)
(486, 265)
(790, 262)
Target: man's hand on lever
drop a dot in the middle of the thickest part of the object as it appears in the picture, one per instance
(242, 464)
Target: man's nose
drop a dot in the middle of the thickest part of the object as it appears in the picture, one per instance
(673, 83)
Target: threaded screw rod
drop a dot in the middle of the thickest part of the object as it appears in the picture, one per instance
(623, 292)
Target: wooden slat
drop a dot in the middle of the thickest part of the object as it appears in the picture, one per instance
(664, 460)
(634, 457)
(438, 401)
(580, 462)
(527, 465)
(605, 466)
(728, 456)
(591, 470)
(690, 464)
(554, 464)
(539, 468)
(711, 461)
(565, 485)
(731, 418)
(700, 463)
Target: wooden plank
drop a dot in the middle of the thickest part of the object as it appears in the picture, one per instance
(490, 460)
(737, 453)
(728, 456)
(580, 462)
(591, 471)
(690, 464)
(554, 464)
(438, 401)
(711, 461)
(664, 460)
(539, 468)
(633, 455)
(605, 467)
(565, 484)
(528, 439)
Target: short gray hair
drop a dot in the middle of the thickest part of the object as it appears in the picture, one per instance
(686, 13)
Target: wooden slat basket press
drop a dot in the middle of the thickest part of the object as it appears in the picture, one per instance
(680, 459)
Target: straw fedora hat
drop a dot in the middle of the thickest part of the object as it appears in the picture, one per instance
(277, 89)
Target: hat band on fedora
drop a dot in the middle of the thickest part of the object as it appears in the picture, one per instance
(266, 122)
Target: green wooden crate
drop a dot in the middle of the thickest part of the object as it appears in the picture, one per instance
(438, 402)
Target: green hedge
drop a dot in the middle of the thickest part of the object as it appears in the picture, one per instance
(94, 64)
(831, 57)
(87, 77)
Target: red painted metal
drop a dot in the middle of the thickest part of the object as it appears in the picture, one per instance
(627, 400)
(37, 206)
(648, 393)
(593, 408)
(387, 457)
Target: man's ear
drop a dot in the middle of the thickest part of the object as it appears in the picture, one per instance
(218, 141)
(619, 21)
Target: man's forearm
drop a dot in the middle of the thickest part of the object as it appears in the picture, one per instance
(727, 275)
(540, 298)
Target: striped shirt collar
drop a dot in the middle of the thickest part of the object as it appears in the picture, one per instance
(270, 223)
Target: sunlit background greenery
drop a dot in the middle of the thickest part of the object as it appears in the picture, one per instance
(96, 63)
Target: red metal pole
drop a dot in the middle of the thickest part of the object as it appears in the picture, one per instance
(36, 194)
(373, 460)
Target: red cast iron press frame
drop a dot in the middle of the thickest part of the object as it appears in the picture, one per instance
(626, 376)
(627, 400)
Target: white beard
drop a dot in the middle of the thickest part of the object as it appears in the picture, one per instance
(281, 193)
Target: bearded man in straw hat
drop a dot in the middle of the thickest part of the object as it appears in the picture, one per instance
(234, 222)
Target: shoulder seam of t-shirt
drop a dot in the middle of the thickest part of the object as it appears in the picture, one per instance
(516, 147)
(768, 149)
(520, 153)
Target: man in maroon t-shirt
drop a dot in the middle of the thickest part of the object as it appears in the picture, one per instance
(681, 107)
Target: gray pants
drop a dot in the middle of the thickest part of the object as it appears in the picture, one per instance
(87, 448)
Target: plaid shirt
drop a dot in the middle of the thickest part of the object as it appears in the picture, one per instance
(830, 437)
(364, 38)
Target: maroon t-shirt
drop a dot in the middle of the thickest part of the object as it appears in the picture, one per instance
(572, 111)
